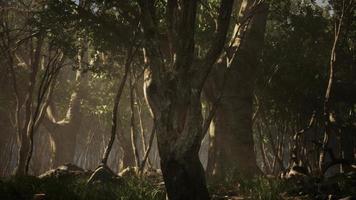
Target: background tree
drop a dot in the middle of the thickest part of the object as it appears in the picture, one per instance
(232, 90)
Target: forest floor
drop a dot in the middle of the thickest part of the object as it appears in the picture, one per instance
(150, 187)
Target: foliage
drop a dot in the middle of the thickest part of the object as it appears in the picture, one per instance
(300, 35)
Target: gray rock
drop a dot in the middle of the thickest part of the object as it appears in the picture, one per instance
(67, 169)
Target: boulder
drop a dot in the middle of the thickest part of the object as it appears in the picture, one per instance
(67, 169)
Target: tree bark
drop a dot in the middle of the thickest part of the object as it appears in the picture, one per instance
(234, 151)
(182, 171)
(173, 92)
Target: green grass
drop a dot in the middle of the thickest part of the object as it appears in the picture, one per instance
(259, 188)
(134, 188)
(262, 188)
(70, 188)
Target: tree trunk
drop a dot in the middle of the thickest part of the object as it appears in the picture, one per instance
(24, 136)
(63, 143)
(114, 114)
(173, 91)
(234, 151)
(133, 128)
(327, 103)
(179, 132)
(128, 158)
(148, 150)
(22, 155)
(63, 133)
(233, 136)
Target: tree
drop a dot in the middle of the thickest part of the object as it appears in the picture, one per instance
(25, 45)
(231, 141)
(63, 133)
(174, 89)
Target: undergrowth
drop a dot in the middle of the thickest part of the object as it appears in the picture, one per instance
(133, 188)
(259, 188)
(70, 188)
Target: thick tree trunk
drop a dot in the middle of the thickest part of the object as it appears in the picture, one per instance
(234, 151)
(174, 87)
(63, 143)
(63, 134)
(179, 133)
(184, 178)
(128, 159)
(233, 136)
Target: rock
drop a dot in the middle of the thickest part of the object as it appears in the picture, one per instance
(67, 169)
